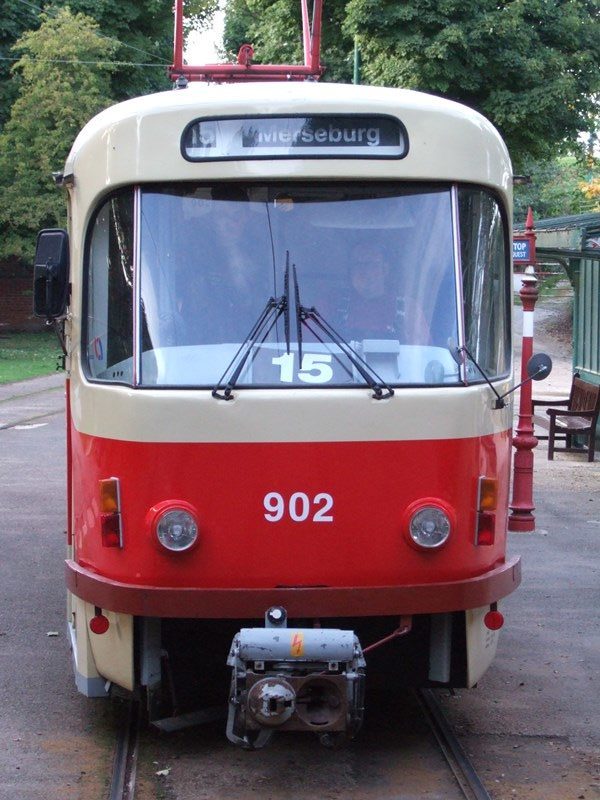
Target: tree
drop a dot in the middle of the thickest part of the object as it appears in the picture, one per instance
(530, 66)
(591, 191)
(14, 19)
(274, 28)
(555, 189)
(65, 70)
(142, 30)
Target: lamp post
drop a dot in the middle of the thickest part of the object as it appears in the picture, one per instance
(522, 507)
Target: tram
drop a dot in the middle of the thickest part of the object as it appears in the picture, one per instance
(287, 323)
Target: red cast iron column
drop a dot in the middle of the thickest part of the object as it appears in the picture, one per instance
(522, 507)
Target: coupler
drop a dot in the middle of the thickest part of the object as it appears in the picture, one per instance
(294, 679)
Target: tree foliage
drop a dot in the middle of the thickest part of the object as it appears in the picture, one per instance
(556, 188)
(591, 191)
(274, 28)
(14, 19)
(530, 66)
(59, 93)
(143, 30)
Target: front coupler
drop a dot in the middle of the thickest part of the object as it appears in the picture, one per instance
(294, 679)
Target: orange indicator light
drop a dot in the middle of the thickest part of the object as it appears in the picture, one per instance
(110, 513)
(109, 495)
(488, 494)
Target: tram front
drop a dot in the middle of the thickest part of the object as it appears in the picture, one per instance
(271, 403)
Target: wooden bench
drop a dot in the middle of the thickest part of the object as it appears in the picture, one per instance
(579, 418)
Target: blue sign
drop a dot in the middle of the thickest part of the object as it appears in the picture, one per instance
(521, 250)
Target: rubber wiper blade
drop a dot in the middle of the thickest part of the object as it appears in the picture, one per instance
(259, 332)
(381, 390)
(287, 299)
(297, 314)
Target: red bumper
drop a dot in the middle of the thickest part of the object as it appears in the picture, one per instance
(319, 601)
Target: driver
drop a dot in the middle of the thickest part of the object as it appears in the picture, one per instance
(376, 309)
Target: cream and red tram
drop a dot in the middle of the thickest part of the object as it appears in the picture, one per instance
(275, 435)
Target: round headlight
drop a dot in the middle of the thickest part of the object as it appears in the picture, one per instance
(429, 527)
(176, 529)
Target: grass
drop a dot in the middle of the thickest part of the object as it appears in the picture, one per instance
(27, 355)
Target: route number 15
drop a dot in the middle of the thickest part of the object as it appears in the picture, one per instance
(299, 507)
(316, 368)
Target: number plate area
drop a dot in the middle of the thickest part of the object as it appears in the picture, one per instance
(321, 364)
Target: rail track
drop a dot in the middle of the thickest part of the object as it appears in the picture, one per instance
(458, 761)
(122, 784)
(123, 780)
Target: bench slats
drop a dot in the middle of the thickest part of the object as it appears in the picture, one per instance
(579, 419)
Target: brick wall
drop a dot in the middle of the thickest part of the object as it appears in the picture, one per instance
(16, 298)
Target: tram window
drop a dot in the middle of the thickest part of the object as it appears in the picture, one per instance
(486, 281)
(108, 326)
(375, 259)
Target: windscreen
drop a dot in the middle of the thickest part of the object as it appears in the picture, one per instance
(374, 261)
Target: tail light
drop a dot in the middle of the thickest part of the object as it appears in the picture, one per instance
(110, 513)
(494, 619)
(487, 502)
(99, 623)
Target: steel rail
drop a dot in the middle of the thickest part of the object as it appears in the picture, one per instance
(122, 784)
(463, 770)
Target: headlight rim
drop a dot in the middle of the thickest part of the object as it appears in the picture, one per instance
(158, 512)
(420, 505)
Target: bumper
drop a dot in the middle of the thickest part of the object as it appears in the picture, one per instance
(318, 601)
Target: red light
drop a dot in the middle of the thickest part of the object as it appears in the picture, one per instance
(493, 620)
(486, 528)
(111, 530)
(99, 624)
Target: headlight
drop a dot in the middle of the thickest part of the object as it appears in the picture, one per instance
(176, 529)
(429, 527)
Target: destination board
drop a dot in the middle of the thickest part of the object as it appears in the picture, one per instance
(314, 136)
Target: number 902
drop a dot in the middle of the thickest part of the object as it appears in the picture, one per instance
(299, 507)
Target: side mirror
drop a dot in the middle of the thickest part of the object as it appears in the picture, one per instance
(51, 274)
(539, 367)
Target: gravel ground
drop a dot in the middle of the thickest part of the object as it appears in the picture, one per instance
(532, 726)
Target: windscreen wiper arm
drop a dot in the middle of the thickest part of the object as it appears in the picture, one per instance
(260, 330)
(381, 390)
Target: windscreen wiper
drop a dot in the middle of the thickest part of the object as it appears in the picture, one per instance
(259, 332)
(297, 314)
(381, 390)
(274, 309)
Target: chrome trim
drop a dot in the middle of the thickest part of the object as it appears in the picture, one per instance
(458, 282)
(137, 293)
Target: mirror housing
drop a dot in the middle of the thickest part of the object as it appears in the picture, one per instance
(51, 274)
(539, 367)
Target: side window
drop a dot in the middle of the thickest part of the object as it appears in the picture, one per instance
(108, 328)
(486, 280)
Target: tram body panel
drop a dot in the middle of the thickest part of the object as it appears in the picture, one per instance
(119, 146)
(335, 496)
(481, 645)
(302, 483)
(287, 415)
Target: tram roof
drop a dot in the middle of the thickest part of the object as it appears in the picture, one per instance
(139, 140)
